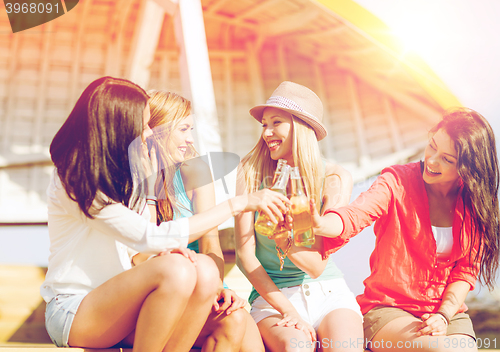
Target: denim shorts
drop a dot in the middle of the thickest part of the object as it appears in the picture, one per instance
(59, 315)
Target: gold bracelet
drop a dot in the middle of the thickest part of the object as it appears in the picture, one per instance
(282, 254)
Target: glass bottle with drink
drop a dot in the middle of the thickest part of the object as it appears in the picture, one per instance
(281, 230)
(301, 212)
(263, 224)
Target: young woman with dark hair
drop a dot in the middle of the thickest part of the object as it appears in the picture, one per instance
(98, 220)
(437, 228)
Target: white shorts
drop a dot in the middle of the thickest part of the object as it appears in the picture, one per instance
(313, 301)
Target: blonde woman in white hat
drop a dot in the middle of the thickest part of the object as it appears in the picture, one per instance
(307, 304)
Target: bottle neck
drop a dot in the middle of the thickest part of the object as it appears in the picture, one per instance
(282, 180)
(279, 169)
(297, 189)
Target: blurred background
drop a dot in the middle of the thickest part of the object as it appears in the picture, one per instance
(385, 70)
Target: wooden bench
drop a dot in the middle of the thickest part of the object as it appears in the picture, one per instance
(22, 309)
(52, 348)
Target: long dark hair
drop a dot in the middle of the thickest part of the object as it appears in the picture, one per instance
(478, 168)
(91, 149)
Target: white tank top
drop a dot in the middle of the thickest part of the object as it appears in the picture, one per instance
(444, 241)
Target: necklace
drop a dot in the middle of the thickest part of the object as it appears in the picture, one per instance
(282, 254)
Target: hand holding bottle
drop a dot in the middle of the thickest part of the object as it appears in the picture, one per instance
(301, 212)
(270, 203)
(264, 225)
(319, 223)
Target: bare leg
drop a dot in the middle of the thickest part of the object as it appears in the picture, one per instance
(341, 330)
(222, 332)
(234, 332)
(196, 312)
(150, 297)
(400, 334)
(252, 341)
(281, 338)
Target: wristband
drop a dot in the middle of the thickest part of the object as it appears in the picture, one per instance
(444, 316)
(150, 202)
(153, 197)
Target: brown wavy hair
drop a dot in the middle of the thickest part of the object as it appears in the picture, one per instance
(168, 109)
(477, 166)
(91, 150)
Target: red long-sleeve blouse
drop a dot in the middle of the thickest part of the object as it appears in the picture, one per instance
(405, 271)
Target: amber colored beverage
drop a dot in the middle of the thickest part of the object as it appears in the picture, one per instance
(281, 230)
(301, 212)
(263, 224)
(305, 237)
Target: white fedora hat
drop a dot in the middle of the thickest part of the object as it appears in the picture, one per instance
(299, 101)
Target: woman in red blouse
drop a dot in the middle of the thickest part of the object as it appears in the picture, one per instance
(437, 228)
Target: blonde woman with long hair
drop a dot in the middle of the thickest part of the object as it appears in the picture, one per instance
(185, 188)
(307, 304)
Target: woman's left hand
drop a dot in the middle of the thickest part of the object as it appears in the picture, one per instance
(432, 324)
(228, 301)
(316, 219)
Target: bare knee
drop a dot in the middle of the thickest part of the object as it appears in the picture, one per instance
(289, 342)
(234, 325)
(231, 328)
(252, 340)
(341, 330)
(174, 272)
(207, 275)
(237, 318)
(299, 344)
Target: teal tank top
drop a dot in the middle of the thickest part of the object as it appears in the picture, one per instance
(185, 208)
(291, 275)
(184, 205)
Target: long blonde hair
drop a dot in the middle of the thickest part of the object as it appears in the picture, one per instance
(168, 109)
(258, 167)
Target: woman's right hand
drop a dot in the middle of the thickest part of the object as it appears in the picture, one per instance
(271, 203)
(186, 252)
(293, 319)
(150, 166)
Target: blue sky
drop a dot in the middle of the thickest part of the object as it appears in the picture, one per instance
(458, 39)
